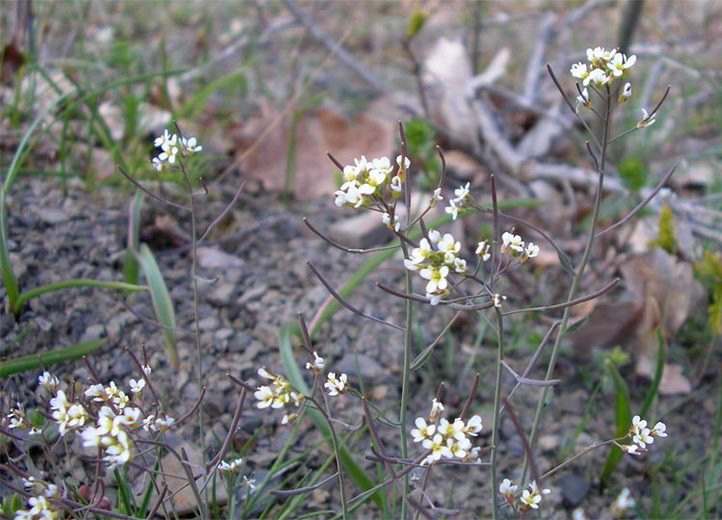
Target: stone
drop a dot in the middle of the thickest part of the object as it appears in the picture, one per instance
(362, 365)
(573, 488)
(360, 231)
(209, 323)
(184, 499)
(548, 443)
(222, 295)
(93, 332)
(212, 258)
(51, 215)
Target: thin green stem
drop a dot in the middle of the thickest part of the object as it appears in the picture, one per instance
(197, 330)
(575, 283)
(497, 406)
(405, 385)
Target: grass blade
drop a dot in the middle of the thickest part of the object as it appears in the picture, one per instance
(654, 387)
(623, 419)
(162, 304)
(74, 284)
(36, 361)
(131, 267)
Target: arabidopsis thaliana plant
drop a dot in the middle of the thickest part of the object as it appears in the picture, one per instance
(531, 497)
(626, 93)
(620, 63)
(230, 467)
(191, 145)
(48, 381)
(597, 76)
(508, 489)
(452, 209)
(483, 250)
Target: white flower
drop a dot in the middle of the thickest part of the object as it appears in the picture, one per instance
(643, 437)
(386, 219)
(596, 76)
(96, 392)
(265, 396)
(530, 498)
(620, 63)
(461, 192)
(435, 197)
(265, 373)
(230, 467)
(599, 54)
(638, 423)
(396, 184)
(436, 277)
(436, 408)
(191, 145)
(626, 93)
(632, 449)
(508, 488)
(249, 482)
(407, 162)
(483, 250)
(422, 430)
(438, 449)
(48, 381)
(646, 120)
(118, 453)
(460, 265)
(579, 70)
(157, 163)
(383, 165)
(317, 362)
(511, 242)
(455, 429)
(452, 209)
(165, 140)
(335, 385)
(163, 423)
(583, 99)
(531, 251)
(449, 246)
(623, 502)
(147, 370)
(659, 430)
(498, 299)
(137, 387)
(473, 426)
(434, 236)
(458, 448)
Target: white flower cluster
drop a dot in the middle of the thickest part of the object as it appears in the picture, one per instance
(317, 364)
(336, 385)
(39, 505)
(230, 467)
(170, 145)
(435, 258)
(461, 199)
(603, 68)
(106, 416)
(642, 436)
(529, 498)
(278, 394)
(514, 245)
(364, 180)
(446, 439)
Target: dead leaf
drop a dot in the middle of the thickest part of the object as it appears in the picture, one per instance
(264, 145)
(447, 73)
(673, 382)
(11, 60)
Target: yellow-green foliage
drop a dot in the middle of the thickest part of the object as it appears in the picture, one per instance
(416, 22)
(709, 269)
(666, 239)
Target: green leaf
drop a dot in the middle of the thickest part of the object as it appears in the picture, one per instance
(623, 419)
(162, 304)
(35, 361)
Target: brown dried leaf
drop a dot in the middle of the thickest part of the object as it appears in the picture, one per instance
(264, 144)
